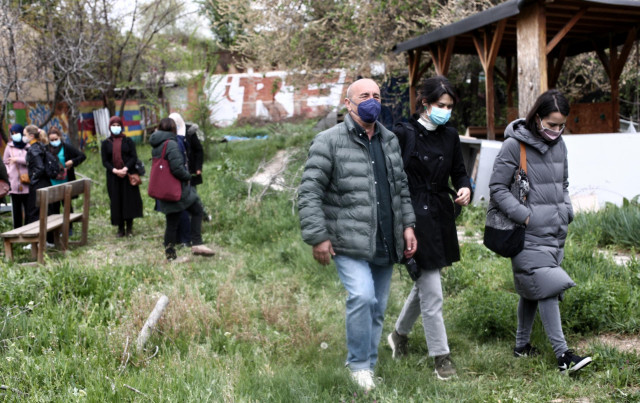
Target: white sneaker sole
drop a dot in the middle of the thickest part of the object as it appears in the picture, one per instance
(583, 363)
(442, 378)
(394, 354)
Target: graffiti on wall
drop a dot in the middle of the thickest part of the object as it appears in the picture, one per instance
(270, 96)
(36, 113)
(137, 117)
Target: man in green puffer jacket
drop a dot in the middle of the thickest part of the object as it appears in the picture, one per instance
(355, 206)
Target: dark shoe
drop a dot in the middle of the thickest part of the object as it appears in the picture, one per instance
(170, 252)
(120, 233)
(445, 368)
(527, 351)
(129, 232)
(398, 344)
(569, 362)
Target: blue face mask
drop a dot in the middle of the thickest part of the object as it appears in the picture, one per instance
(55, 143)
(439, 116)
(16, 137)
(116, 129)
(369, 110)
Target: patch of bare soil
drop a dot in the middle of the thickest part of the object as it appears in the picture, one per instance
(622, 342)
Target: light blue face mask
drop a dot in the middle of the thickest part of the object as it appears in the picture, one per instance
(16, 137)
(55, 143)
(116, 129)
(439, 116)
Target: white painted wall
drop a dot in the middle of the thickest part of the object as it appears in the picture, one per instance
(602, 168)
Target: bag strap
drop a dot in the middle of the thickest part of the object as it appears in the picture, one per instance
(523, 157)
(164, 149)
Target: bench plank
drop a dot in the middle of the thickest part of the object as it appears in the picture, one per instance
(35, 232)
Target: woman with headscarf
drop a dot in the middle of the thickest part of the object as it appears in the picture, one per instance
(119, 157)
(15, 159)
(184, 227)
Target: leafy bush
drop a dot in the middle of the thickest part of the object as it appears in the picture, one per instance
(611, 226)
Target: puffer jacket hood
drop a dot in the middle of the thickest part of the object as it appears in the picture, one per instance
(518, 130)
(160, 136)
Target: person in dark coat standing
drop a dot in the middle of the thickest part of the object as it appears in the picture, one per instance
(38, 178)
(69, 158)
(195, 156)
(539, 279)
(432, 156)
(119, 157)
(189, 199)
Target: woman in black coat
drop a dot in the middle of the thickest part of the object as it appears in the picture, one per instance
(432, 155)
(119, 157)
(69, 156)
(35, 166)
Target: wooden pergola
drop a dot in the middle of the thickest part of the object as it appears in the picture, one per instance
(535, 37)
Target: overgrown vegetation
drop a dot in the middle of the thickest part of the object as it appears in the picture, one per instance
(262, 321)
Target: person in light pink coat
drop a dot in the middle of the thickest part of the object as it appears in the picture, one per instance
(15, 160)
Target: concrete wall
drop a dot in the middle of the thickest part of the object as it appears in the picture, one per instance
(602, 168)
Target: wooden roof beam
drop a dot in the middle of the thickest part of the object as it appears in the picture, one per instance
(441, 55)
(556, 39)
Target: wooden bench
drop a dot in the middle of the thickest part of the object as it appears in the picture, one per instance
(35, 233)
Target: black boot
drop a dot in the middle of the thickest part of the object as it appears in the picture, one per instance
(120, 232)
(129, 231)
(170, 252)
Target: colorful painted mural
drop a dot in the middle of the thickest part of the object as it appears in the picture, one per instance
(270, 96)
(137, 117)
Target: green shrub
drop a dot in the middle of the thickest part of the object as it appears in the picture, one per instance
(613, 225)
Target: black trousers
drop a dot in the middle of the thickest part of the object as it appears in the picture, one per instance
(19, 208)
(173, 220)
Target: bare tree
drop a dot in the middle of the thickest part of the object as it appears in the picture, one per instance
(17, 68)
(70, 46)
(127, 47)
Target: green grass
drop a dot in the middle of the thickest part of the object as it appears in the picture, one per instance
(262, 321)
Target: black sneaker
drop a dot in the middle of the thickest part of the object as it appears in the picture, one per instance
(569, 362)
(398, 344)
(445, 369)
(526, 351)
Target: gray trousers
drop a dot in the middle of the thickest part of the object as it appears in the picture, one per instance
(549, 314)
(426, 298)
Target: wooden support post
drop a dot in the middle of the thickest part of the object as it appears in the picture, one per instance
(487, 46)
(441, 55)
(613, 66)
(532, 56)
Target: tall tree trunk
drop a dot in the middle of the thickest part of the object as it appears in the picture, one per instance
(3, 109)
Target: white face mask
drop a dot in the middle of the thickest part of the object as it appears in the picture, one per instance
(116, 129)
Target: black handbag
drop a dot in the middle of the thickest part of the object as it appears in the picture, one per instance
(501, 234)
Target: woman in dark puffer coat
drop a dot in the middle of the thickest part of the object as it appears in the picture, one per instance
(189, 200)
(539, 279)
(35, 165)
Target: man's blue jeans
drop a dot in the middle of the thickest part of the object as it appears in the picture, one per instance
(368, 288)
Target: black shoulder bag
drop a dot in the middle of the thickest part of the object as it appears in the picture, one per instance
(501, 234)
